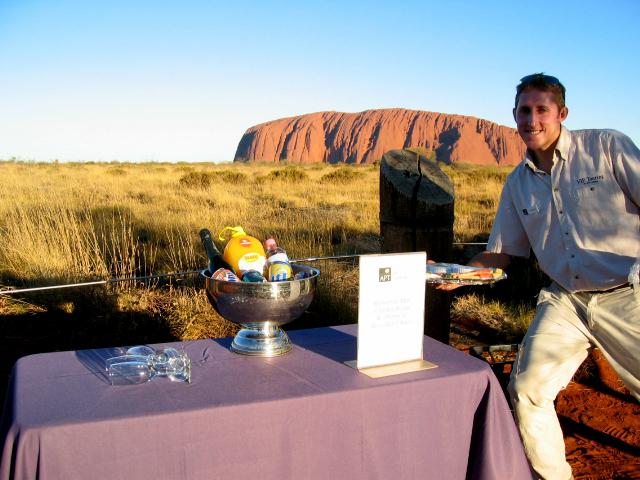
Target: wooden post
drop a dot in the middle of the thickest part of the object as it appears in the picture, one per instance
(416, 214)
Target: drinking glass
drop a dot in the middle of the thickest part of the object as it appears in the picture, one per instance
(129, 370)
(142, 363)
(173, 364)
(141, 350)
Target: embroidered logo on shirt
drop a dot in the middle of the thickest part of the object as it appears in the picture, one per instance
(589, 180)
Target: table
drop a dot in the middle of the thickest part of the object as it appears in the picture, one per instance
(304, 415)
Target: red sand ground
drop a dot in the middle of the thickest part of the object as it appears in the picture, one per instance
(602, 432)
(600, 420)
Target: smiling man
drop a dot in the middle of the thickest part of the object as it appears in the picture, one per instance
(539, 115)
(575, 201)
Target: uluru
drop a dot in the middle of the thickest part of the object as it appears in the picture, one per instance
(363, 137)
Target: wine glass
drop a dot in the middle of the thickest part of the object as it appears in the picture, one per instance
(142, 363)
(141, 350)
(129, 370)
(171, 363)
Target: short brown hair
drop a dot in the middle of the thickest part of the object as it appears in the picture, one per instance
(544, 83)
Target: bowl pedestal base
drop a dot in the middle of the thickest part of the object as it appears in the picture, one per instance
(267, 340)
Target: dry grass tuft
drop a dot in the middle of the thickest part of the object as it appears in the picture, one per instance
(12, 307)
(191, 317)
(289, 174)
(477, 192)
(341, 175)
(476, 312)
(196, 180)
(230, 176)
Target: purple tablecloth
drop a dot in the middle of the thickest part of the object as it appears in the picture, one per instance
(304, 415)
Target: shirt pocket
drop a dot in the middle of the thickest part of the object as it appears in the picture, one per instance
(533, 217)
(588, 192)
(597, 205)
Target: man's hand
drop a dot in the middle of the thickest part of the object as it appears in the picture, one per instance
(483, 259)
(447, 287)
(490, 260)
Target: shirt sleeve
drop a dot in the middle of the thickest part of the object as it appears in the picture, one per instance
(625, 158)
(508, 235)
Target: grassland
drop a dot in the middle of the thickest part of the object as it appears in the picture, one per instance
(68, 223)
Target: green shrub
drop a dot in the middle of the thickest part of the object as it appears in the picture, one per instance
(289, 174)
(424, 152)
(229, 176)
(116, 171)
(196, 180)
(341, 175)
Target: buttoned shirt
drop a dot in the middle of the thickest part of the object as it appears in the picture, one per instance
(582, 220)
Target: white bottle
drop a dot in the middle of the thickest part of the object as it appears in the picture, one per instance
(278, 265)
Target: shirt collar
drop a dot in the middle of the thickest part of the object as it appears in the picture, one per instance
(562, 149)
(564, 142)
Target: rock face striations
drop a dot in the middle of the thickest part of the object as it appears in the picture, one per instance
(335, 137)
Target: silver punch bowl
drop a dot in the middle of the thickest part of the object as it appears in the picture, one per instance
(260, 308)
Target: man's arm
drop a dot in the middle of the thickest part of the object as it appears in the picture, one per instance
(507, 234)
(625, 157)
(490, 259)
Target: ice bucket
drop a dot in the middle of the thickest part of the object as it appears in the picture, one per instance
(261, 308)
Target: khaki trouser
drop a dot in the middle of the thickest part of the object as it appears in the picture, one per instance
(566, 325)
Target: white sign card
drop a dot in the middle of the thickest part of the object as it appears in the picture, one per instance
(391, 308)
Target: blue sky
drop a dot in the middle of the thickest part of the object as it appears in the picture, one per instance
(137, 80)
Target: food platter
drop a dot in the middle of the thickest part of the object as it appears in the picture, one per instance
(452, 273)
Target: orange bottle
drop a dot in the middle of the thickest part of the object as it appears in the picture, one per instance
(243, 252)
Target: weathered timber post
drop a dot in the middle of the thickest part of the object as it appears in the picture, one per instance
(416, 214)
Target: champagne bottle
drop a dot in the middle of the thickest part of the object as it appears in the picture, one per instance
(213, 254)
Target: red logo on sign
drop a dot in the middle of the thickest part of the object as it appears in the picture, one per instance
(245, 243)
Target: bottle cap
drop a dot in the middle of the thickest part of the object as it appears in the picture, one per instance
(235, 232)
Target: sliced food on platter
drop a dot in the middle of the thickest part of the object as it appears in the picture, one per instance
(462, 274)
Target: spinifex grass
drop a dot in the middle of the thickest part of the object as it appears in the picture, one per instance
(504, 320)
(67, 223)
(477, 192)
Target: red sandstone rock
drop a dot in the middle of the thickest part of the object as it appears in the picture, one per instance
(335, 137)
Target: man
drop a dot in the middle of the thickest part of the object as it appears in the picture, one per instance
(574, 201)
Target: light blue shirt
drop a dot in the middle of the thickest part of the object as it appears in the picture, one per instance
(583, 220)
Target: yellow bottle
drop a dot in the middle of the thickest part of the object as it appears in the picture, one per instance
(242, 252)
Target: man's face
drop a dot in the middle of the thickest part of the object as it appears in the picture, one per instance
(538, 119)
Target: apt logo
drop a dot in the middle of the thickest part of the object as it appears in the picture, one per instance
(384, 274)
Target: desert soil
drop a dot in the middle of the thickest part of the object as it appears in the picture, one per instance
(600, 419)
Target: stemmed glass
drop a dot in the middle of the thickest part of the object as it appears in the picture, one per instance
(173, 364)
(129, 370)
(142, 363)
